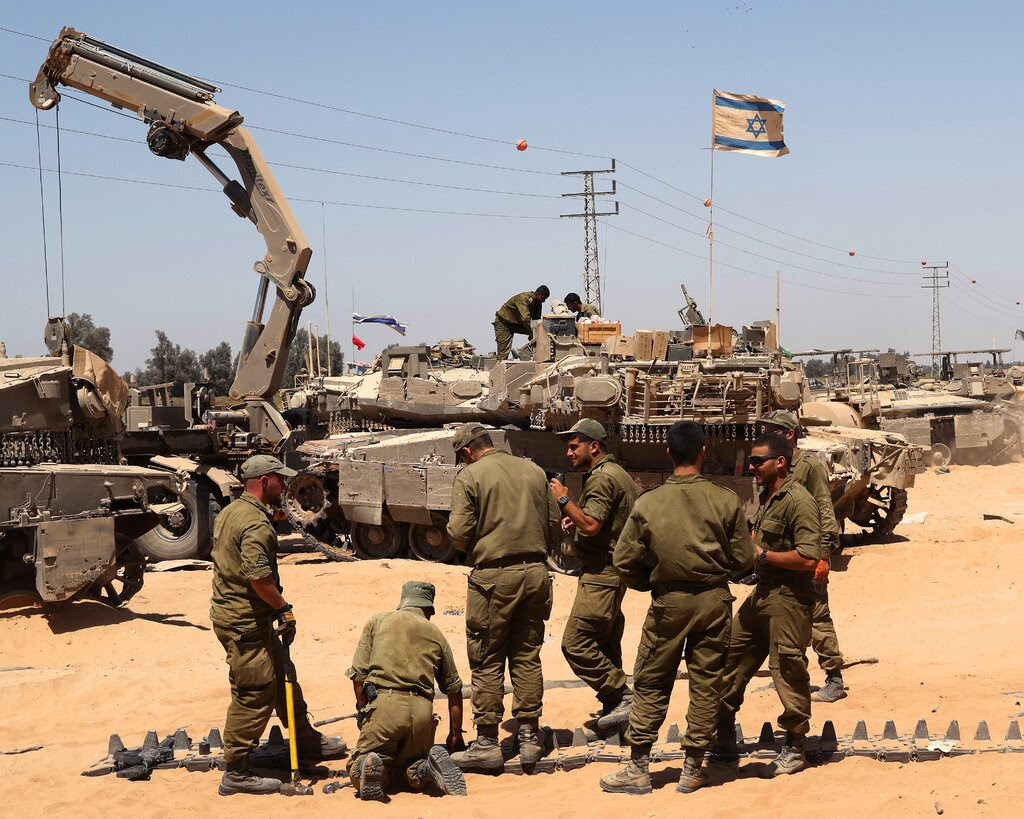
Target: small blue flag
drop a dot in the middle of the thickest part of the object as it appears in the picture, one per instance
(388, 321)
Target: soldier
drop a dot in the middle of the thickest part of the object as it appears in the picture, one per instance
(682, 542)
(247, 599)
(592, 641)
(399, 656)
(575, 303)
(811, 475)
(775, 620)
(502, 517)
(517, 316)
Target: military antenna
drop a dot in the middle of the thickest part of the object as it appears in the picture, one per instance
(936, 281)
(591, 269)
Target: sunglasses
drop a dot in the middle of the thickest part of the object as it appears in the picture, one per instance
(754, 461)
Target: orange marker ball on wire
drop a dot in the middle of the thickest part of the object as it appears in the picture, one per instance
(924, 262)
(974, 281)
(522, 145)
(853, 252)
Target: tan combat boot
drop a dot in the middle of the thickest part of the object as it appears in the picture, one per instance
(790, 759)
(634, 778)
(530, 747)
(832, 691)
(439, 769)
(369, 781)
(483, 754)
(247, 782)
(618, 715)
(693, 776)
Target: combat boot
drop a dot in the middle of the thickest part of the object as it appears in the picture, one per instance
(619, 715)
(832, 691)
(247, 782)
(483, 754)
(317, 747)
(693, 776)
(439, 769)
(634, 778)
(530, 747)
(370, 778)
(725, 748)
(790, 759)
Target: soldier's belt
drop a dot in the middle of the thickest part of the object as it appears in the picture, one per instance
(410, 691)
(506, 562)
(692, 588)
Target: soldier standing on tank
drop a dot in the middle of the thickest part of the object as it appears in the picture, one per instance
(811, 475)
(247, 600)
(775, 620)
(682, 542)
(399, 656)
(502, 517)
(517, 316)
(575, 303)
(592, 641)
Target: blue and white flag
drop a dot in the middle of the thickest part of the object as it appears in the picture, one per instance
(389, 321)
(748, 124)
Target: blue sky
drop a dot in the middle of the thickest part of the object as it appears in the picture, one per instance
(899, 118)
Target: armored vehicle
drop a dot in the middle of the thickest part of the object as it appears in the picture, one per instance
(386, 480)
(70, 513)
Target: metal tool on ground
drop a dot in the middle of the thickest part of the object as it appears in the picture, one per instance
(295, 786)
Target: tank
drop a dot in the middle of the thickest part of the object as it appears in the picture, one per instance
(70, 513)
(385, 479)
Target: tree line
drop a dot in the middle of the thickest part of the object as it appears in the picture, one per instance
(169, 362)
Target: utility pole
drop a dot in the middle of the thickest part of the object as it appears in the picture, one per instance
(591, 268)
(936, 281)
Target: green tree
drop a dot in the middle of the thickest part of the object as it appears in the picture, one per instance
(168, 362)
(83, 332)
(297, 358)
(218, 362)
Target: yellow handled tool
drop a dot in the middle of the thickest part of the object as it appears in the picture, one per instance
(295, 787)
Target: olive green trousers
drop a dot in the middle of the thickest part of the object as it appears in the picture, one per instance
(399, 727)
(592, 640)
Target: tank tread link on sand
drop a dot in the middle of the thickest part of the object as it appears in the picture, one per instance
(389, 489)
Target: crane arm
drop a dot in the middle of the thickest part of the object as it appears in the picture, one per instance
(183, 119)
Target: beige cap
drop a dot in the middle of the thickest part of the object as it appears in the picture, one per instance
(259, 465)
(586, 426)
(467, 433)
(782, 418)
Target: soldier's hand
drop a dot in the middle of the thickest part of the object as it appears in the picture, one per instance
(286, 624)
(455, 742)
(568, 526)
(821, 571)
(558, 488)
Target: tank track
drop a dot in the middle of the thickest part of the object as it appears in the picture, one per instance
(71, 446)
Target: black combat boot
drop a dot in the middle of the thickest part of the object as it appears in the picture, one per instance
(833, 690)
(483, 754)
(725, 748)
(530, 747)
(693, 776)
(439, 769)
(635, 777)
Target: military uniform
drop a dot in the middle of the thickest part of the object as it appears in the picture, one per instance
(682, 541)
(245, 549)
(502, 513)
(402, 653)
(811, 475)
(587, 311)
(515, 316)
(775, 620)
(592, 641)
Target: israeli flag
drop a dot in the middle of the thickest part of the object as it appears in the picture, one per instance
(388, 321)
(748, 124)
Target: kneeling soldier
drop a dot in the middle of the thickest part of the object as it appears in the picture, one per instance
(682, 542)
(399, 656)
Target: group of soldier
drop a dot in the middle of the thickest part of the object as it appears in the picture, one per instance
(517, 315)
(683, 542)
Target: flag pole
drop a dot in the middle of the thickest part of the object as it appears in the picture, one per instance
(778, 310)
(711, 222)
(353, 359)
(327, 301)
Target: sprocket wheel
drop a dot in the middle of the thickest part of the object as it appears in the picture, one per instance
(881, 511)
(307, 505)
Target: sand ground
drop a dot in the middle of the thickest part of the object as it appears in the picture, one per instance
(941, 609)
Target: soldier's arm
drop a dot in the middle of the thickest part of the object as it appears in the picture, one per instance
(818, 487)
(806, 534)
(462, 521)
(360, 667)
(601, 497)
(450, 682)
(741, 549)
(256, 548)
(631, 551)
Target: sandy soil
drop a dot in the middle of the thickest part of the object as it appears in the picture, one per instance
(940, 608)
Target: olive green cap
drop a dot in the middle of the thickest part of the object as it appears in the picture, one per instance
(782, 418)
(418, 594)
(467, 433)
(259, 465)
(586, 426)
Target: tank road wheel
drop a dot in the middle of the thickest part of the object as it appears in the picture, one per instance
(373, 542)
(125, 581)
(940, 455)
(562, 558)
(430, 541)
(186, 533)
(881, 510)
(307, 505)
(19, 599)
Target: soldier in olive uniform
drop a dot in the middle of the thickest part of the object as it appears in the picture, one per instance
(682, 542)
(502, 517)
(575, 303)
(592, 641)
(811, 475)
(517, 316)
(399, 656)
(775, 620)
(247, 599)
